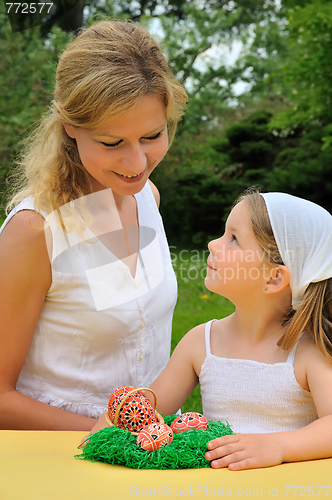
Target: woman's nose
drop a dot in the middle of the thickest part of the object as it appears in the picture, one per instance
(135, 159)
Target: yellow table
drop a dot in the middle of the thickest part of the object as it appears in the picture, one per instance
(41, 466)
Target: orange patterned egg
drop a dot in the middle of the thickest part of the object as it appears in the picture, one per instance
(189, 420)
(137, 411)
(154, 436)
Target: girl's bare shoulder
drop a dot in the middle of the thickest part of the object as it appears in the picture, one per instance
(309, 361)
(307, 348)
(194, 336)
(194, 346)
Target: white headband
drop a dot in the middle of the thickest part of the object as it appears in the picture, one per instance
(303, 233)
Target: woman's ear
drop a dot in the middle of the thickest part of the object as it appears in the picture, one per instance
(70, 130)
(279, 279)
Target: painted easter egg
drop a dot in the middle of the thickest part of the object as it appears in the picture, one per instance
(154, 436)
(136, 412)
(189, 420)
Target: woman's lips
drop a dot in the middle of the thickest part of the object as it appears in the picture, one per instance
(130, 180)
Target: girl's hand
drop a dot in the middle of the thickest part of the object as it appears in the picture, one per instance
(245, 451)
(99, 425)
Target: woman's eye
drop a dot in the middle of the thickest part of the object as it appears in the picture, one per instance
(112, 145)
(115, 144)
(234, 240)
(153, 138)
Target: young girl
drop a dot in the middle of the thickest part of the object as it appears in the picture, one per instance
(93, 310)
(267, 368)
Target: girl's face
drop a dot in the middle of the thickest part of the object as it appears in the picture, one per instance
(237, 265)
(121, 153)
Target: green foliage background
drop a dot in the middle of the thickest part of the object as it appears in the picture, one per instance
(276, 134)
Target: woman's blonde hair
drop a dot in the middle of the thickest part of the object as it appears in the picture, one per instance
(315, 311)
(104, 72)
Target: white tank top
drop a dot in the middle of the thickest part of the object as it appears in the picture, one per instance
(94, 337)
(254, 397)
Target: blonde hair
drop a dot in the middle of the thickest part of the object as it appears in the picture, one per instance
(104, 72)
(315, 311)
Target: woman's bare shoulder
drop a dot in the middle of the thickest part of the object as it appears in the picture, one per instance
(25, 223)
(23, 248)
(155, 192)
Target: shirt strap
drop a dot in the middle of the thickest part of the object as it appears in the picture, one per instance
(292, 352)
(207, 336)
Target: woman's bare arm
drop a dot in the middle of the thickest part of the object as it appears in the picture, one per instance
(26, 276)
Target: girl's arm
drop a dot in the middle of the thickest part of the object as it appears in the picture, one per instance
(25, 272)
(177, 381)
(314, 441)
(180, 377)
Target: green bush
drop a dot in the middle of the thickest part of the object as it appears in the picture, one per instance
(197, 195)
(27, 70)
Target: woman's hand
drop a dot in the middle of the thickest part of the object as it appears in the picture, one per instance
(245, 451)
(99, 425)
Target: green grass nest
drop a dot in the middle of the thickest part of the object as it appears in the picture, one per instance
(117, 446)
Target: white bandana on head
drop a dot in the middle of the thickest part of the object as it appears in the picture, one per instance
(303, 233)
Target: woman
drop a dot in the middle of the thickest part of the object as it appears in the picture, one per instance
(89, 307)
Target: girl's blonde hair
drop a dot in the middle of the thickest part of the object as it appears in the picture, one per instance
(104, 72)
(315, 312)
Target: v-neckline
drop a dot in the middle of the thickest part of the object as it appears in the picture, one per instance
(92, 235)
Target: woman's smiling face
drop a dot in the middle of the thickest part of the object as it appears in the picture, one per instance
(121, 153)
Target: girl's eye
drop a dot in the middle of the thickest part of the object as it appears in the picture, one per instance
(234, 240)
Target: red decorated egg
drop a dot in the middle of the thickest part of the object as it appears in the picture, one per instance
(136, 412)
(154, 436)
(189, 420)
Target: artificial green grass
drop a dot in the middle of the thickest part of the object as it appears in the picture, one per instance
(195, 304)
(117, 446)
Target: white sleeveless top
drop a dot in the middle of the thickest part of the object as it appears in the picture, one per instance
(101, 328)
(254, 397)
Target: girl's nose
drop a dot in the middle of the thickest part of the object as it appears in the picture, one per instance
(212, 245)
(216, 248)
